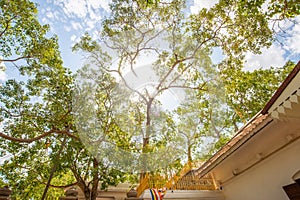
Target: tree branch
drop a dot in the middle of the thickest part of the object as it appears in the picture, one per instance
(45, 134)
(62, 186)
(16, 59)
(7, 25)
(54, 167)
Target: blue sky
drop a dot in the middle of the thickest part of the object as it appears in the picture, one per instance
(69, 19)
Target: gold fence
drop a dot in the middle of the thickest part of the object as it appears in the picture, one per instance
(190, 182)
(143, 185)
(185, 180)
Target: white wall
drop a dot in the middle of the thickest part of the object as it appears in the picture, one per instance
(188, 195)
(265, 180)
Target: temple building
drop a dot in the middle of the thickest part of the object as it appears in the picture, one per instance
(262, 161)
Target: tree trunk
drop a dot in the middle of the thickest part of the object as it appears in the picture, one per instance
(55, 164)
(147, 135)
(189, 152)
(95, 181)
(89, 193)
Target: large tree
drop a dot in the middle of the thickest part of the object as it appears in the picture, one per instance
(37, 122)
(38, 135)
(180, 46)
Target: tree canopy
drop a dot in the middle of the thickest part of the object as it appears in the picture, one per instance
(37, 129)
(40, 126)
(180, 46)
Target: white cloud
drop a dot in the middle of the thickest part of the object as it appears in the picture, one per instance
(96, 4)
(86, 13)
(80, 8)
(67, 28)
(95, 35)
(75, 8)
(3, 76)
(273, 56)
(105, 5)
(288, 33)
(73, 38)
(200, 4)
(76, 25)
(293, 42)
(281, 26)
(45, 20)
(265, 5)
(90, 25)
(50, 15)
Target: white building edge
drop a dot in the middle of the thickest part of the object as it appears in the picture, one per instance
(262, 161)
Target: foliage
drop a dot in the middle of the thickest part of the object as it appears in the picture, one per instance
(36, 113)
(145, 116)
(37, 116)
(184, 61)
(24, 38)
(247, 92)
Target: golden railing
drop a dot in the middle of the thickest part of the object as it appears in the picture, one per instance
(191, 182)
(186, 168)
(184, 180)
(143, 185)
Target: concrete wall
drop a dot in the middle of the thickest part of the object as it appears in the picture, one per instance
(112, 193)
(188, 195)
(107, 195)
(265, 180)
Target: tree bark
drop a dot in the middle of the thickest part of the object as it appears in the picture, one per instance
(95, 181)
(56, 163)
(90, 193)
(189, 153)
